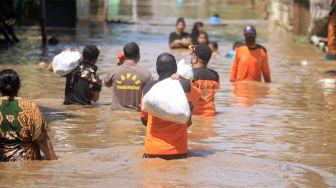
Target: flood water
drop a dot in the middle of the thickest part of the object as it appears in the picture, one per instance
(281, 134)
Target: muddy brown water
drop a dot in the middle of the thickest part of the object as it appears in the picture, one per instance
(265, 135)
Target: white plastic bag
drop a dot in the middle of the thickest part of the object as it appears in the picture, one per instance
(185, 70)
(65, 62)
(166, 100)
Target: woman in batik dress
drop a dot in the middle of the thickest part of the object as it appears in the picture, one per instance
(22, 126)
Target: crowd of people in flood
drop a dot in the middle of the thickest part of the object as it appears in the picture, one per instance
(23, 128)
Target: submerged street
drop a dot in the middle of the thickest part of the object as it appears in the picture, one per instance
(280, 134)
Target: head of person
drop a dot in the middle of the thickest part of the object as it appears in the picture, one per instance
(53, 41)
(132, 51)
(9, 83)
(166, 65)
(213, 46)
(202, 38)
(180, 25)
(198, 27)
(90, 54)
(200, 55)
(250, 34)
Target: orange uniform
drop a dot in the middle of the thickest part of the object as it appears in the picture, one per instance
(202, 95)
(250, 64)
(165, 137)
(331, 34)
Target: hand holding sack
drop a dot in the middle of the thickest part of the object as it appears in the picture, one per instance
(65, 62)
(96, 83)
(185, 70)
(167, 101)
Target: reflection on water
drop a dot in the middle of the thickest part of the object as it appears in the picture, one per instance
(247, 93)
(265, 135)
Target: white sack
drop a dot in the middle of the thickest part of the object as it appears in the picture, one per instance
(166, 100)
(185, 70)
(65, 62)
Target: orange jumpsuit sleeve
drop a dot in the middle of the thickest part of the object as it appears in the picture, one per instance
(234, 68)
(265, 68)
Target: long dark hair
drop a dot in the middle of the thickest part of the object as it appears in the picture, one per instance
(195, 31)
(206, 36)
(9, 83)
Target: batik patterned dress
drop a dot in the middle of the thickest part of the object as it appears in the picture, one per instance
(21, 125)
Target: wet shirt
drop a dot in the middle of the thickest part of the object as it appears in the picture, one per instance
(202, 95)
(250, 64)
(22, 124)
(127, 82)
(81, 83)
(174, 36)
(165, 137)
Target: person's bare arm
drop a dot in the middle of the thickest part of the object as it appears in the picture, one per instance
(108, 79)
(95, 96)
(50, 67)
(176, 44)
(175, 76)
(143, 115)
(189, 122)
(144, 118)
(45, 145)
(234, 68)
(39, 132)
(186, 42)
(266, 70)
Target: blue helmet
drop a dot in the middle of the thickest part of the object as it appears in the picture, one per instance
(250, 29)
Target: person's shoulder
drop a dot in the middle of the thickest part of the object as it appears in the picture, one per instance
(241, 46)
(261, 47)
(212, 71)
(143, 70)
(140, 68)
(214, 74)
(27, 104)
(204, 71)
(87, 66)
(205, 74)
(116, 69)
(186, 34)
(172, 33)
(149, 86)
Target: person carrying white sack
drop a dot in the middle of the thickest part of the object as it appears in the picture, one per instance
(165, 139)
(83, 84)
(205, 82)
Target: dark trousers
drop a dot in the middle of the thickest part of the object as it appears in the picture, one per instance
(167, 157)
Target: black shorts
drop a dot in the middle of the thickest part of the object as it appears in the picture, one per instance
(167, 157)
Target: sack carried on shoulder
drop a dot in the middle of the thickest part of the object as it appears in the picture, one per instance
(166, 100)
(185, 70)
(65, 62)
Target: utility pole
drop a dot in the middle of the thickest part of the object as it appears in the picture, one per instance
(43, 23)
(134, 11)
